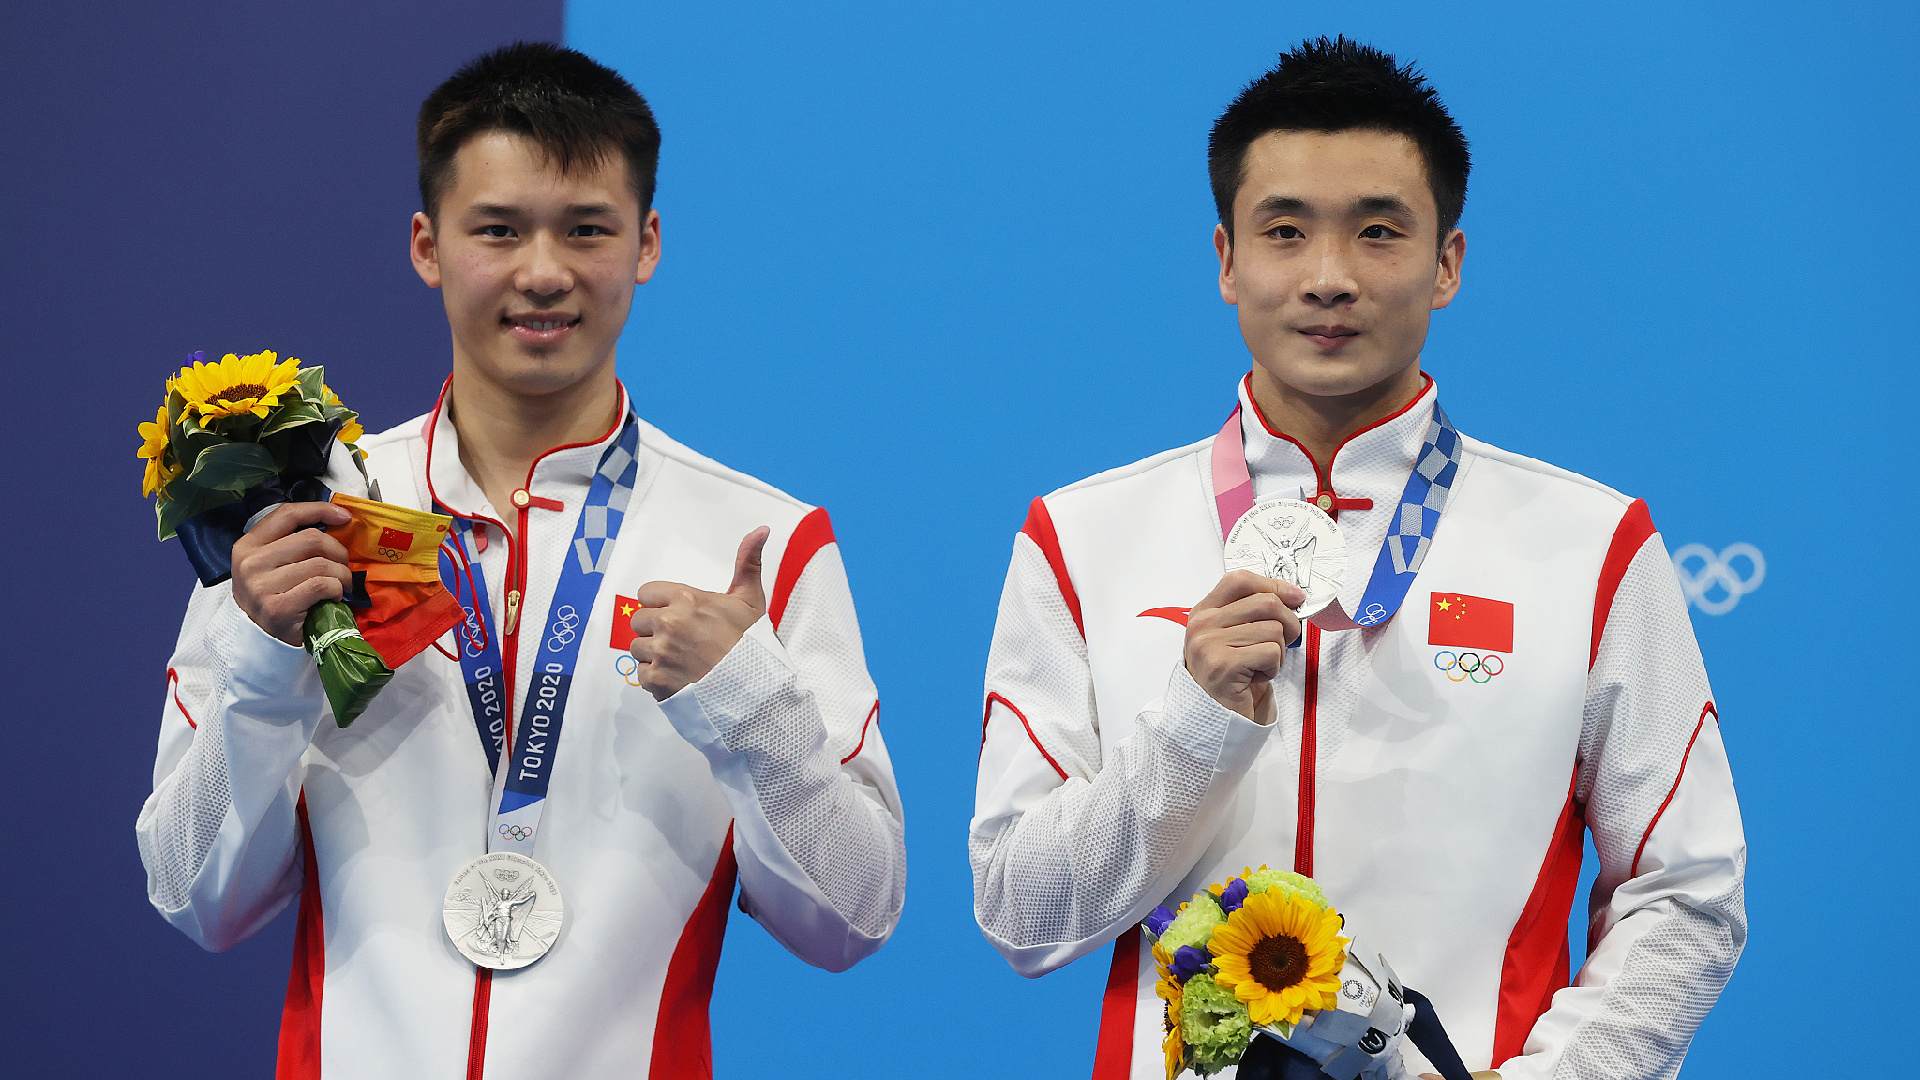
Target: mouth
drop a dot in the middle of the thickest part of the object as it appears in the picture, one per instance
(540, 327)
(1329, 337)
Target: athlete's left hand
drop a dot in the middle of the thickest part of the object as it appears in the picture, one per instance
(681, 632)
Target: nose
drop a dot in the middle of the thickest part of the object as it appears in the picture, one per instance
(1330, 282)
(543, 273)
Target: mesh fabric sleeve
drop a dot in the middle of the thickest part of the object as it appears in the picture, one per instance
(1668, 910)
(1071, 844)
(219, 835)
(789, 722)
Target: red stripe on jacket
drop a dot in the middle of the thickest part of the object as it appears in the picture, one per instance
(1039, 529)
(1113, 1055)
(300, 1017)
(1628, 538)
(682, 1034)
(814, 532)
(1536, 963)
(1699, 725)
(1035, 739)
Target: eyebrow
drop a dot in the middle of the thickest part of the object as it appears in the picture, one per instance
(1276, 205)
(599, 209)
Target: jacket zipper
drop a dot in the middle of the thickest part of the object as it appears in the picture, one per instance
(509, 663)
(1309, 752)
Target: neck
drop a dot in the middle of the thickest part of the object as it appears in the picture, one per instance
(502, 433)
(1321, 424)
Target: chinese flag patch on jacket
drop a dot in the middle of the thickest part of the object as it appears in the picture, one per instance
(623, 609)
(1470, 622)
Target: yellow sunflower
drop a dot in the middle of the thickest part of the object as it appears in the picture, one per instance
(1281, 955)
(154, 448)
(351, 431)
(237, 385)
(1174, 1045)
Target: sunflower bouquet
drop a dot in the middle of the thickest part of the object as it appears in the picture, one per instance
(1263, 954)
(239, 436)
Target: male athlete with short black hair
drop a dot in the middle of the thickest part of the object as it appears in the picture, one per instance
(1501, 663)
(494, 879)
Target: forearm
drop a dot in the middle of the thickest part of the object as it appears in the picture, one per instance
(820, 842)
(1058, 875)
(218, 835)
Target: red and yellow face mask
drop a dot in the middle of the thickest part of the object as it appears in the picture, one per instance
(398, 600)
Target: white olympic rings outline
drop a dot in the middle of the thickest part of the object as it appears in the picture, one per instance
(1717, 569)
(565, 621)
(630, 672)
(1459, 662)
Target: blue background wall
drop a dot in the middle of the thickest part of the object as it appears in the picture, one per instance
(921, 265)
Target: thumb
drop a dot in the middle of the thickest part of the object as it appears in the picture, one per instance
(746, 570)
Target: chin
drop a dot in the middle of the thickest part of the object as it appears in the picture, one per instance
(1320, 377)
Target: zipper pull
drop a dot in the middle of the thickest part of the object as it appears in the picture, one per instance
(513, 610)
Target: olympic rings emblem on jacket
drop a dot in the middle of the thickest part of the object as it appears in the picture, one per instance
(517, 832)
(627, 668)
(565, 622)
(1462, 667)
(1716, 569)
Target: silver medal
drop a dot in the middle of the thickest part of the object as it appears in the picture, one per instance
(503, 911)
(1291, 540)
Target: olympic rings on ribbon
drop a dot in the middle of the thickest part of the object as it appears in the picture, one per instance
(627, 668)
(1469, 665)
(565, 622)
(517, 832)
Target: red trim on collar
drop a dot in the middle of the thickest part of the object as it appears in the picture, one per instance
(433, 422)
(1326, 477)
(1039, 529)
(814, 532)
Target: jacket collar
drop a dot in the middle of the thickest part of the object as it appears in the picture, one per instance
(561, 474)
(1372, 463)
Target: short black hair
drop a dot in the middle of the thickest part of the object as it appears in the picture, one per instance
(577, 110)
(1336, 84)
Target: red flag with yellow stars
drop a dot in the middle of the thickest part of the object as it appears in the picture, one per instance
(1470, 622)
(623, 609)
(398, 602)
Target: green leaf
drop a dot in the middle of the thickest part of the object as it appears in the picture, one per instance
(232, 467)
(186, 500)
(313, 384)
(290, 414)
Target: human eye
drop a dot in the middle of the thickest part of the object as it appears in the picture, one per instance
(590, 230)
(1378, 231)
(1285, 231)
(497, 232)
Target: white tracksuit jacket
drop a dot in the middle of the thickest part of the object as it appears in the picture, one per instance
(771, 764)
(1443, 817)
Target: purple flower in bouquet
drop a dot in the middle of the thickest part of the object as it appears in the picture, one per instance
(1233, 895)
(1160, 918)
(1189, 961)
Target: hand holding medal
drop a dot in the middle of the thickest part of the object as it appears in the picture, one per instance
(1237, 639)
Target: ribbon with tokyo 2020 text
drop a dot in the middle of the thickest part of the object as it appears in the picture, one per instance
(520, 781)
(1409, 535)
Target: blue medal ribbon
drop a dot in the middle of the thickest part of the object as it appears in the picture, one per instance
(523, 778)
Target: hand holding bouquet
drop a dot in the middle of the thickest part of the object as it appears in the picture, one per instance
(1262, 954)
(237, 438)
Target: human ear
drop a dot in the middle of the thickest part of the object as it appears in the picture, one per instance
(649, 248)
(1223, 247)
(1446, 275)
(425, 251)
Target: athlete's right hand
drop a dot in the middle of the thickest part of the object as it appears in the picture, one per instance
(1237, 639)
(281, 568)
